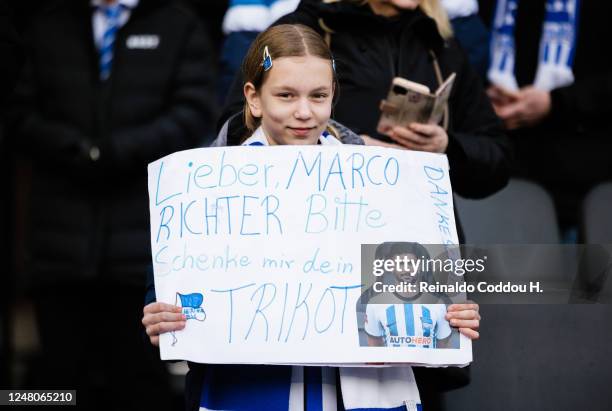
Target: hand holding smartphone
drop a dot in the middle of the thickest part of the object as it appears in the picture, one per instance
(409, 102)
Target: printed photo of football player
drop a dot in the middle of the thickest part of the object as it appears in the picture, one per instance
(407, 318)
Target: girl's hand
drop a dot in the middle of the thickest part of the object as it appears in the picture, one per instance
(161, 318)
(465, 317)
(421, 137)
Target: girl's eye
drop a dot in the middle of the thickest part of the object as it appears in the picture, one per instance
(285, 95)
(320, 96)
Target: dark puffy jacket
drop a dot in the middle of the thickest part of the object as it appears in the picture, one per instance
(90, 217)
(370, 50)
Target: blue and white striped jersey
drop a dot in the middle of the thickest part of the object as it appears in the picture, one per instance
(407, 325)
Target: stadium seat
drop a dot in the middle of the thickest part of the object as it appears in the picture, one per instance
(597, 215)
(537, 357)
(521, 213)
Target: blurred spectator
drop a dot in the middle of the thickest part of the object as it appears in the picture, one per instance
(243, 21)
(11, 53)
(470, 32)
(10, 64)
(551, 83)
(109, 86)
(211, 13)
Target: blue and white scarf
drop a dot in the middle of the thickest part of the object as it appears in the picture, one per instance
(298, 388)
(557, 45)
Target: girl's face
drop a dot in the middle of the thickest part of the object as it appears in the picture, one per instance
(294, 101)
(390, 8)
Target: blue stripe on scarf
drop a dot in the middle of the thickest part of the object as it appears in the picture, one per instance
(246, 387)
(572, 54)
(502, 33)
(314, 389)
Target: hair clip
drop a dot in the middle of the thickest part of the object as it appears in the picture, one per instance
(334, 64)
(267, 59)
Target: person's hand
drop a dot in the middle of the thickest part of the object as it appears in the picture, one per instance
(421, 137)
(161, 318)
(465, 317)
(501, 97)
(529, 108)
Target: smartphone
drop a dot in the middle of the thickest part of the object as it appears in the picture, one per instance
(407, 102)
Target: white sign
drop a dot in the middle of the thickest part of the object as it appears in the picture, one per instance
(261, 247)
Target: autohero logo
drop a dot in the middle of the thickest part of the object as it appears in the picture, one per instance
(411, 266)
(410, 339)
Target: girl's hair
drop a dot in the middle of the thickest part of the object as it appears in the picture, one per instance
(284, 40)
(433, 8)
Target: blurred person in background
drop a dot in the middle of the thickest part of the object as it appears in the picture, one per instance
(244, 19)
(211, 13)
(109, 86)
(12, 55)
(10, 64)
(551, 84)
(470, 32)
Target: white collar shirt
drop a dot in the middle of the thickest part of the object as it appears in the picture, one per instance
(98, 19)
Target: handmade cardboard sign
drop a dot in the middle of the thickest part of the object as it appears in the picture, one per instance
(261, 247)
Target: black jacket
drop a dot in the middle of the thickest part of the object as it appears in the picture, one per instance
(89, 217)
(10, 50)
(370, 50)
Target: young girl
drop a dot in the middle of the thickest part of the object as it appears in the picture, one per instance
(289, 88)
